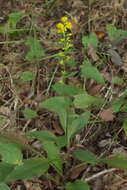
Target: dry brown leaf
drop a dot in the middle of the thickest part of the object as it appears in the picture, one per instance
(107, 115)
(75, 172)
(58, 130)
(94, 91)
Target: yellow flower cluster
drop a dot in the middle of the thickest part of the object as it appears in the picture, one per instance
(64, 25)
(64, 28)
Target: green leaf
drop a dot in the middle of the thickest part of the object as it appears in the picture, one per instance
(29, 113)
(86, 156)
(117, 80)
(124, 108)
(77, 124)
(27, 76)
(3, 186)
(115, 34)
(43, 135)
(36, 51)
(11, 153)
(78, 184)
(90, 40)
(112, 31)
(84, 100)
(66, 90)
(54, 104)
(53, 154)
(34, 167)
(61, 141)
(119, 161)
(5, 170)
(14, 18)
(92, 73)
(125, 126)
(2, 120)
(59, 105)
(116, 105)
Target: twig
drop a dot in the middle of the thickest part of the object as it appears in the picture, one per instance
(99, 174)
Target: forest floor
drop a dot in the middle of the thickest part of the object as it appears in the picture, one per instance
(103, 137)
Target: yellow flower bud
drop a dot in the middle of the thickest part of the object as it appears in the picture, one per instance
(61, 62)
(64, 19)
(69, 25)
(61, 28)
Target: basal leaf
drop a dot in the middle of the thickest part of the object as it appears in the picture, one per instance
(31, 168)
(125, 126)
(53, 153)
(36, 51)
(77, 124)
(3, 186)
(92, 73)
(84, 100)
(119, 161)
(27, 76)
(5, 170)
(11, 153)
(115, 34)
(78, 184)
(86, 156)
(14, 18)
(67, 90)
(59, 105)
(90, 40)
(43, 135)
(29, 113)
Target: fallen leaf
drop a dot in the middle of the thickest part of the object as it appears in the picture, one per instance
(107, 115)
(95, 89)
(75, 172)
(58, 130)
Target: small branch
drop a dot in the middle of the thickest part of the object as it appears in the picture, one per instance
(99, 174)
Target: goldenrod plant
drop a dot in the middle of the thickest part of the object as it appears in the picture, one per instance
(64, 29)
(73, 106)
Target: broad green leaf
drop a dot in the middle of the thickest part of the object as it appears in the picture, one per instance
(34, 167)
(61, 141)
(36, 51)
(27, 76)
(3, 186)
(77, 125)
(9, 138)
(112, 31)
(115, 34)
(29, 113)
(2, 120)
(116, 105)
(86, 156)
(77, 185)
(67, 90)
(85, 100)
(14, 18)
(70, 74)
(119, 161)
(124, 108)
(71, 61)
(43, 135)
(53, 153)
(59, 105)
(90, 40)
(125, 126)
(117, 80)
(54, 104)
(11, 154)
(5, 170)
(92, 73)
